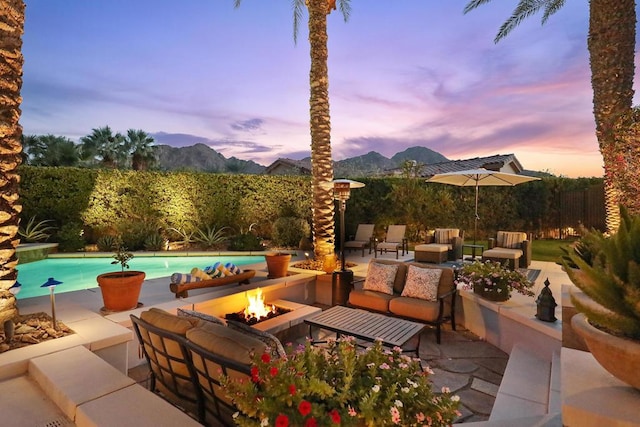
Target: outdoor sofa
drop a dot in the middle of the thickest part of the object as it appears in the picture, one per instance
(410, 290)
(187, 354)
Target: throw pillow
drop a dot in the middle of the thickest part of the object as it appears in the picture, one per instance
(226, 342)
(271, 341)
(168, 321)
(422, 283)
(380, 277)
(200, 316)
(444, 235)
(512, 240)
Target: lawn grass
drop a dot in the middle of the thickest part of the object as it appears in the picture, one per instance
(549, 250)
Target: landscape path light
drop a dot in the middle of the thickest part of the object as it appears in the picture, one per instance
(51, 283)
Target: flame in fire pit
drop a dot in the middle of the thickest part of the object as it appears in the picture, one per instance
(256, 306)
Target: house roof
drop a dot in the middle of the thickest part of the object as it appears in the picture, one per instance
(302, 166)
(499, 162)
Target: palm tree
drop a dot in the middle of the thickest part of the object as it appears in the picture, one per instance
(139, 145)
(49, 150)
(320, 121)
(11, 61)
(611, 44)
(104, 147)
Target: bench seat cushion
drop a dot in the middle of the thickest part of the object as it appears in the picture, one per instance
(371, 300)
(226, 342)
(414, 308)
(432, 247)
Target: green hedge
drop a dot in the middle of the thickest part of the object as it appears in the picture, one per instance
(102, 202)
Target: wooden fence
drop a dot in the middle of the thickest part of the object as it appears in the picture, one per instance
(580, 208)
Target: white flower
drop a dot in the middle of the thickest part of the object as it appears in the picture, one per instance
(445, 389)
(264, 422)
(405, 389)
(455, 398)
(375, 388)
(235, 414)
(398, 403)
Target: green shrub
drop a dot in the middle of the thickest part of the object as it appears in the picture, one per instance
(70, 237)
(134, 234)
(155, 242)
(288, 231)
(107, 243)
(245, 242)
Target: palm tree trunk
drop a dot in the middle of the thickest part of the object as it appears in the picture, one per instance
(11, 60)
(321, 161)
(612, 35)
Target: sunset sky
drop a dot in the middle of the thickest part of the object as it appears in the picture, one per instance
(403, 73)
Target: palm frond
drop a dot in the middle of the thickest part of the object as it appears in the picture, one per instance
(298, 7)
(525, 9)
(473, 4)
(345, 9)
(551, 8)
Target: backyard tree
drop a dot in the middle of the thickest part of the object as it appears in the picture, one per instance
(139, 145)
(320, 121)
(611, 44)
(11, 61)
(102, 146)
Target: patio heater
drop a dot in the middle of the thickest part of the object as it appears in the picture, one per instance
(342, 280)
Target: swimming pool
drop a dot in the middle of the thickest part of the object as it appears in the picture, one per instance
(80, 273)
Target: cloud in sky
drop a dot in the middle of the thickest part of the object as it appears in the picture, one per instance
(401, 75)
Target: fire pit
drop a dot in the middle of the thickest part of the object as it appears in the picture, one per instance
(256, 310)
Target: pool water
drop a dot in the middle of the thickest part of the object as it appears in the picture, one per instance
(80, 273)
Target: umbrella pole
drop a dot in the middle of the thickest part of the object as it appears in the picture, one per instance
(475, 226)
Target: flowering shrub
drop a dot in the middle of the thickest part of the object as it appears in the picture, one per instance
(342, 386)
(491, 277)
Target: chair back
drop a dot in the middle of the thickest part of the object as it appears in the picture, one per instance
(510, 239)
(395, 233)
(445, 235)
(169, 363)
(364, 232)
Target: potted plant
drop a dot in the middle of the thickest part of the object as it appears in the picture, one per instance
(277, 264)
(340, 385)
(609, 316)
(121, 289)
(492, 280)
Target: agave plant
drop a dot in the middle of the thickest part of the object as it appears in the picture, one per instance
(612, 279)
(211, 237)
(36, 231)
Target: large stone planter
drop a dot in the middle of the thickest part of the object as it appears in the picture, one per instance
(619, 356)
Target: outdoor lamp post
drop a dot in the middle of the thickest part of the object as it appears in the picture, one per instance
(342, 280)
(51, 283)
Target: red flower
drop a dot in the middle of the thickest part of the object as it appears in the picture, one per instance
(273, 371)
(282, 421)
(292, 389)
(266, 358)
(335, 416)
(255, 374)
(304, 408)
(311, 422)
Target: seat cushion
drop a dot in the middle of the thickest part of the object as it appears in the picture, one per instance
(502, 253)
(388, 246)
(380, 277)
(370, 300)
(226, 342)
(432, 247)
(415, 308)
(422, 283)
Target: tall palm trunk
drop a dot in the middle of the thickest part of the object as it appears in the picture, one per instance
(612, 36)
(11, 60)
(321, 161)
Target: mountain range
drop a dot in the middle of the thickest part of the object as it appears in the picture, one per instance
(202, 158)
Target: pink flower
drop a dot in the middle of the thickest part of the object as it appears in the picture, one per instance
(395, 415)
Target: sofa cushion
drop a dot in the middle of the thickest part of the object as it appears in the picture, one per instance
(381, 277)
(226, 342)
(167, 321)
(270, 340)
(370, 300)
(415, 308)
(422, 283)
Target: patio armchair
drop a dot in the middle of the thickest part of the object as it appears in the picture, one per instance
(362, 239)
(394, 241)
(445, 244)
(513, 247)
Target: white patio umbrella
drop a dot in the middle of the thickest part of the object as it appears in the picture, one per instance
(477, 178)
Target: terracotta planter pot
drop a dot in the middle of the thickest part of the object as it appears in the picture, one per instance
(619, 356)
(492, 294)
(277, 265)
(120, 290)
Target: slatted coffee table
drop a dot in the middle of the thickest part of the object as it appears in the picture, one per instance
(367, 326)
